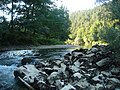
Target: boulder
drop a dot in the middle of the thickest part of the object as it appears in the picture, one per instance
(62, 69)
(53, 77)
(91, 57)
(40, 64)
(92, 50)
(77, 63)
(115, 80)
(69, 72)
(67, 56)
(106, 62)
(27, 72)
(79, 50)
(99, 87)
(77, 76)
(58, 62)
(106, 74)
(52, 87)
(110, 87)
(68, 87)
(74, 68)
(118, 88)
(82, 85)
(98, 78)
(59, 84)
(79, 54)
(48, 71)
(41, 85)
(25, 61)
(115, 71)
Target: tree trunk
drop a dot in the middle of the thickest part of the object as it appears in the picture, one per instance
(12, 24)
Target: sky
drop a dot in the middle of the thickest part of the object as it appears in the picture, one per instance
(75, 5)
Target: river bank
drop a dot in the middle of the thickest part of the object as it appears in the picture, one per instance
(10, 59)
(4, 48)
(81, 69)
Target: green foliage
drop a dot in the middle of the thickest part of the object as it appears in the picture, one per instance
(100, 25)
(33, 22)
(111, 36)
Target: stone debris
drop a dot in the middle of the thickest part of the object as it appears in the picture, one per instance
(82, 69)
(68, 87)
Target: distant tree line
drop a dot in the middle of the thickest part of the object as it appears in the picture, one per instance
(100, 25)
(33, 22)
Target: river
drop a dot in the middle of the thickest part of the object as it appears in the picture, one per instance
(10, 59)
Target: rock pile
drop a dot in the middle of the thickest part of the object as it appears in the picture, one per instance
(83, 69)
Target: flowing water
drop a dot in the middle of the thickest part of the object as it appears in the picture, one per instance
(9, 60)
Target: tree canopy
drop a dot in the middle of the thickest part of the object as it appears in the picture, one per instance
(100, 25)
(41, 22)
(33, 22)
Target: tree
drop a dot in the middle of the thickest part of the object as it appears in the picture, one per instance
(37, 21)
(86, 25)
(100, 25)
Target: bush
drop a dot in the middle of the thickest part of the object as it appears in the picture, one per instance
(111, 36)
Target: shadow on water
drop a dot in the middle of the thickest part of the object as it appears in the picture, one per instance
(9, 60)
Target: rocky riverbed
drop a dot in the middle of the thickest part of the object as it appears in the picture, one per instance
(82, 69)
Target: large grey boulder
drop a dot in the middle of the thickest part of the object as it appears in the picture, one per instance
(106, 62)
(29, 73)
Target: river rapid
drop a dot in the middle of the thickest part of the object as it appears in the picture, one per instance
(11, 59)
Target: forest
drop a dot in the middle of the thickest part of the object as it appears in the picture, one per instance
(41, 22)
(32, 22)
(100, 25)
